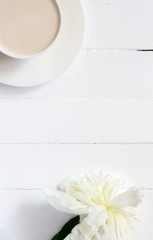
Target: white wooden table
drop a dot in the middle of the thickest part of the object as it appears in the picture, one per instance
(98, 115)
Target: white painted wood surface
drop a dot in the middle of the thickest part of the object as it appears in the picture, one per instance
(97, 115)
(119, 26)
(76, 121)
(118, 2)
(38, 165)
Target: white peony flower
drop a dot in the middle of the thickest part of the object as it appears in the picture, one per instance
(107, 206)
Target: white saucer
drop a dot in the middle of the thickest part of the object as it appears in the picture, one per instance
(39, 70)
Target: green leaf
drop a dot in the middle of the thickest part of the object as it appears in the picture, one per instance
(66, 230)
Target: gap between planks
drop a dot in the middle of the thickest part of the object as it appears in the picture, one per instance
(116, 49)
(75, 98)
(76, 143)
(39, 189)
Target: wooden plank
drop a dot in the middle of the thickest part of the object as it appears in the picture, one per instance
(76, 121)
(110, 27)
(36, 166)
(97, 74)
(25, 215)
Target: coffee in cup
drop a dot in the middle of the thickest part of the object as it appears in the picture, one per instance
(28, 27)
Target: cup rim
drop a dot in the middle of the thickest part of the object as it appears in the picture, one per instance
(18, 56)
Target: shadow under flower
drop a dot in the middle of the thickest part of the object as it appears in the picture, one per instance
(31, 222)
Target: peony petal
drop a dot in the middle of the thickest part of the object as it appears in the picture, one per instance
(64, 202)
(97, 216)
(132, 197)
(75, 235)
(67, 183)
(88, 228)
